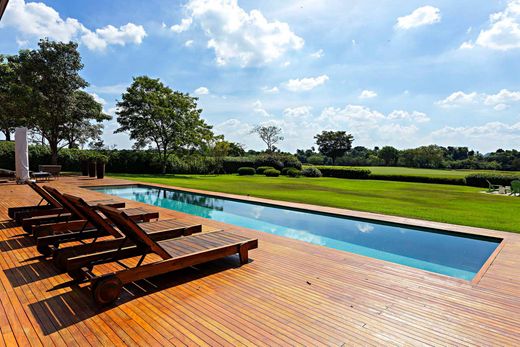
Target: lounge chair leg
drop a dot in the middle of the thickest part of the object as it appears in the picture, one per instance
(244, 258)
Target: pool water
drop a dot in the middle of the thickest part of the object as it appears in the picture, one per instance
(453, 254)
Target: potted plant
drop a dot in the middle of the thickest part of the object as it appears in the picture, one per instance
(92, 165)
(101, 162)
(84, 161)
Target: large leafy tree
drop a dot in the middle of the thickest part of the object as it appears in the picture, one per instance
(389, 154)
(51, 74)
(156, 115)
(334, 144)
(84, 123)
(11, 94)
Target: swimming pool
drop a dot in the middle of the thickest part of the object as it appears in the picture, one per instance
(453, 254)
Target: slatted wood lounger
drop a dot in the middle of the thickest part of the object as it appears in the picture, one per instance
(52, 207)
(176, 254)
(96, 226)
(41, 226)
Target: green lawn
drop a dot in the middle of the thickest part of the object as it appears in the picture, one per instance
(443, 203)
(408, 171)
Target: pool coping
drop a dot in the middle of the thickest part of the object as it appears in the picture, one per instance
(360, 215)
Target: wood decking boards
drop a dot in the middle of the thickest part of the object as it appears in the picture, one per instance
(290, 293)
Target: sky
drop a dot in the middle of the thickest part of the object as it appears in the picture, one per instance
(405, 73)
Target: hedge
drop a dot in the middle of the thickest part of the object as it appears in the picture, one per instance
(260, 170)
(419, 179)
(343, 172)
(232, 164)
(246, 171)
(480, 179)
(292, 172)
(272, 173)
(311, 172)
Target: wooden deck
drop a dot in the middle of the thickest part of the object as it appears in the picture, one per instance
(291, 293)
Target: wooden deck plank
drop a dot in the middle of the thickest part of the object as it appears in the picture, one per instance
(291, 293)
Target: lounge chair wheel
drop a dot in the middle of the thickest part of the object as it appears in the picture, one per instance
(106, 290)
(44, 249)
(60, 260)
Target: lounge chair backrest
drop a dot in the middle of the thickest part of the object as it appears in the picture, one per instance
(91, 215)
(515, 186)
(132, 230)
(44, 194)
(64, 202)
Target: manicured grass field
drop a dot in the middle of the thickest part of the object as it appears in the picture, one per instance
(443, 203)
(408, 171)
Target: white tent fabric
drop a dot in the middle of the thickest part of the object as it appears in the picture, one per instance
(21, 154)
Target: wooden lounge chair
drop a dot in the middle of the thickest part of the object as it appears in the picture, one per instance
(48, 205)
(67, 214)
(78, 220)
(96, 226)
(493, 187)
(176, 254)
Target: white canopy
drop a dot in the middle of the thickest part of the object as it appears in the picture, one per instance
(21, 154)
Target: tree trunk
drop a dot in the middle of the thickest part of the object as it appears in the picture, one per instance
(54, 152)
(7, 134)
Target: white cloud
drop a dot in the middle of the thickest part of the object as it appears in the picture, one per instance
(415, 116)
(98, 99)
(503, 32)
(272, 90)
(258, 108)
(239, 37)
(21, 43)
(500, 101)
(39, 20)
(185, 25)
(188, 43)
(502, 97)
(458, 99)
(467, 45)
(318, 54)
(297, 112)
(425, 15)
(201, 91)
(305, 84)
(489, 136)
(367, 94)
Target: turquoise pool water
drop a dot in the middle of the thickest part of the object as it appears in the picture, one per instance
(447, 253)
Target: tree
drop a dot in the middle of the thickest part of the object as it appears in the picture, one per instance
(389, 154)
(79, 129)
(51, 76)
(156, 115)
(269, 134)
(334, 144)
(10, 97)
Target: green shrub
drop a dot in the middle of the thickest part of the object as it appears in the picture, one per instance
(311, 172)
(272, 173)
(232, 164)
(292, 172)
(419, 179)
(289, 160)
(480, 179)
(260, 170)
(316, 159)
(268, 160)
(246, 171)
(343, 172)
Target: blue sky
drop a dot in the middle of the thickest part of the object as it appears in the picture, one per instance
(417, 73)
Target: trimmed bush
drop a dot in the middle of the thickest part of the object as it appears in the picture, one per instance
(419, 179)
(311, 172)
(480, 180)
(232, 164)
(292, 172)
(272, 173)
(260, 170)
(268, 160)
(246, 171)
(343, 172)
